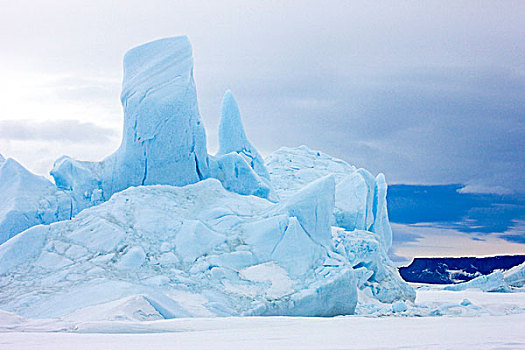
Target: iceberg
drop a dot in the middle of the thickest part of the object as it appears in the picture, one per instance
(162, 226)
(497, 281)
(163, 141)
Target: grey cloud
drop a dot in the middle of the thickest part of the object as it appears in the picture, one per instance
(94, 90)
(401, 236)
(434, 126)
(67, 131)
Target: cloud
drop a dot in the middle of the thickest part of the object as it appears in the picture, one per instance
(427, 94)
(86, 89)
(448, 207)
(449, 242)
(413, 127)
(519, 238)
(516, 232)
(423, 217)
(63, 131)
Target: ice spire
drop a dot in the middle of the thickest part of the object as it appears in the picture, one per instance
(232, 137)
(164, 141)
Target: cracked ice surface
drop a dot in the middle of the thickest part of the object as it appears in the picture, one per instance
(160, 241)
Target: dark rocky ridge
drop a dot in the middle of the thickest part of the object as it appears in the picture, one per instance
(456, 270)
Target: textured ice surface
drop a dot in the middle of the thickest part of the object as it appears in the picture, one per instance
(360, 199)
(236, 175)
(27, 200)
(120, 250)
(81, 179)
(164, 141)
(237, 255)
(133, 308)
(515, 276)
(373, 268)
(313, 206)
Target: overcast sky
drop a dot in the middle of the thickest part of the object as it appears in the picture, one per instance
(426, 92)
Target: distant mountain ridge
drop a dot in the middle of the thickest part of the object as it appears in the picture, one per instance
(456, 270)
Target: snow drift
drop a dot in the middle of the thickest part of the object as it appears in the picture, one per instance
(161, 229)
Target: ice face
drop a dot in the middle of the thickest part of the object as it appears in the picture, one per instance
(28, 200)
(313, 206)
(381, 224)
(81, 179)
(236, 175)
(360, 199)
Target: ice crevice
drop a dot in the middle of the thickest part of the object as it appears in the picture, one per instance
(145, 168)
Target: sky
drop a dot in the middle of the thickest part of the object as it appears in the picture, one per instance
(439, 220)
(425, 92)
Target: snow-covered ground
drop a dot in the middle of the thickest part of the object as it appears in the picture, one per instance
(495, 332)
(499, 325)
